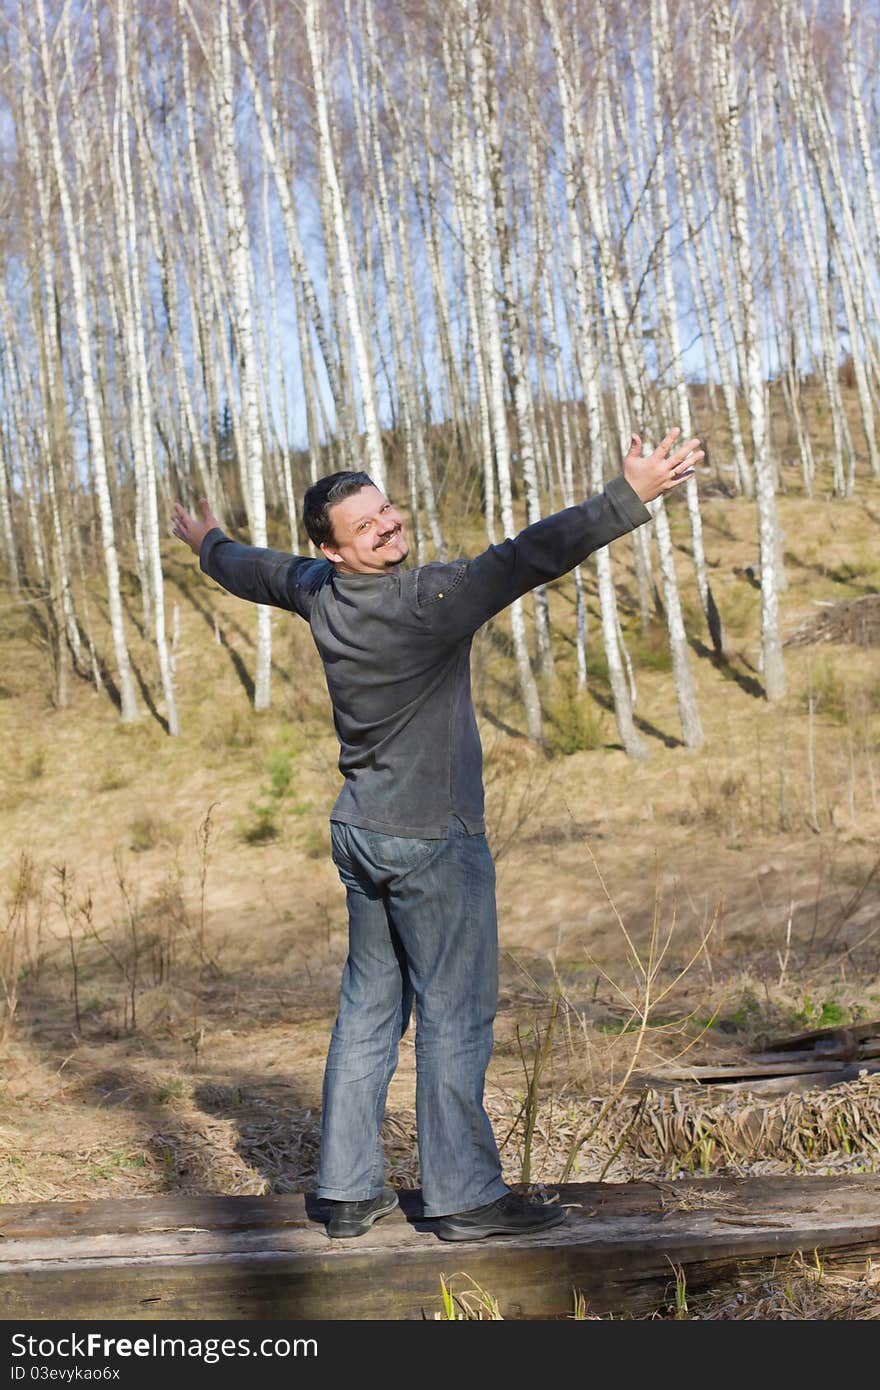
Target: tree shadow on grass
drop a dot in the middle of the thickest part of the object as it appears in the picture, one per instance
(498, 723)
(722, 663)
(241, 670)
(177, 1098)
(147, 696)
(104, 673)
(643, 725)
(838, 574)
(219, 629)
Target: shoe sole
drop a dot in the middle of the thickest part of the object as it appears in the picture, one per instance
(349, 1231)
(450, 1232)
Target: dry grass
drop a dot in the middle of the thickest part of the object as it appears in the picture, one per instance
(799, 1290)
(684, 1132)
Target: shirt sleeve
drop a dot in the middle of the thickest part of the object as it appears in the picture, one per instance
(459, 598)
(250, 572)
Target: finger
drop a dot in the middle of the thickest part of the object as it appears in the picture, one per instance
(690, 460)
(203, 506)
(682, 453)
(683, 472)
(668, 440)
(635, 447)
(677, 479)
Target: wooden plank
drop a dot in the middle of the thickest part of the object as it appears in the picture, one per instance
(736, 1071)
(779, 1084)
(261, 1258)
(785, 1084)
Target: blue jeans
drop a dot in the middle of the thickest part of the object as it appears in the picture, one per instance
(422, 928)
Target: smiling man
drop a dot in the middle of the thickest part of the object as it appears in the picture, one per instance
(407, 827)
(366, 536)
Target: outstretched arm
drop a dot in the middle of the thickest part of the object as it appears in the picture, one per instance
(458, 598)
(248, 571)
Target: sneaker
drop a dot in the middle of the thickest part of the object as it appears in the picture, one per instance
(354, 1218)
(511, 1215)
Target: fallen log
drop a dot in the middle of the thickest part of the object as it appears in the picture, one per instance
(843, 1042)
(763, 1080)
(622, 1247)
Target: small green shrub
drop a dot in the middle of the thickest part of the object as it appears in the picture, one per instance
(174, 1089)
(575, 723)
(114, 1163)
(827, 1014)
(828, 690)
(649, 648)
(275, 796)
(239, 730)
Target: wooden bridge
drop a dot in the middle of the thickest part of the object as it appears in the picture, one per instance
(269, 1257)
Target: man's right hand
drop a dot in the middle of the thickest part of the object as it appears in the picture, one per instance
(188, 529)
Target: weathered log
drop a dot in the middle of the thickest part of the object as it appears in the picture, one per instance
(733, 1071)
(269, 1257)
(763, 1080)
(841, 1042)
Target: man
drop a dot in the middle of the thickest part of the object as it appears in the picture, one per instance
(407, 827)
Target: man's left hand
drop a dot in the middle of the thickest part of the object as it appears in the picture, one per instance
(652, 475)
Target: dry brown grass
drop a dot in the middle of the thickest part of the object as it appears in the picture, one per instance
(799, 1290)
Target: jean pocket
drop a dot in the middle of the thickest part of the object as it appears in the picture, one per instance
(400, 854)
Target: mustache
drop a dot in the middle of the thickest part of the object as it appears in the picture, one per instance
(386, 535)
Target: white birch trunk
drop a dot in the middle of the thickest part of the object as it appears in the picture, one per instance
(239, 259)
(212, 276)
(768, 527)
(661, 50)
(205, 466)
(283, 182)
(488, 297)
(50, 367)
(856, 108)
(142, 426)
(463, 203)
(685, 690)
(485, 101)
(376, 465)
(128, 702)
(6, 528)
(812, 231)
(568, 99)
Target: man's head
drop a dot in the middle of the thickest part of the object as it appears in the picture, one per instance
(354, 525)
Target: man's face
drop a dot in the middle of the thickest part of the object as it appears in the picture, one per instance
(368, 534)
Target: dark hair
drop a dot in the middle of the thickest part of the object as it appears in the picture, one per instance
(320, 497)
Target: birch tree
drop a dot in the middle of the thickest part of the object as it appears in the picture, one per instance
(339, 231)
(238, 240)
(724, 81)
(128, 702)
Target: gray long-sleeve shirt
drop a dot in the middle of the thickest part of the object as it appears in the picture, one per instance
(396, 654)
